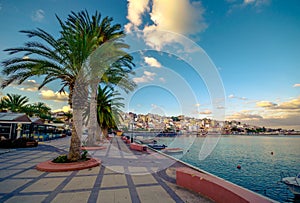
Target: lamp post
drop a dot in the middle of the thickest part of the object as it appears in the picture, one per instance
(131, 137)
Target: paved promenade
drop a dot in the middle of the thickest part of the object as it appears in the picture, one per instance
(124, 176)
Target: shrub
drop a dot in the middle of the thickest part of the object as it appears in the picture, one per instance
(61, 159)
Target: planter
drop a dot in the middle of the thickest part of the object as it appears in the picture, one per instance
(50, 166)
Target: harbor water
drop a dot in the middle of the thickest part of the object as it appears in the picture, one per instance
(261, 160)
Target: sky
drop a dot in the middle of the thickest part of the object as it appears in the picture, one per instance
(225, 59)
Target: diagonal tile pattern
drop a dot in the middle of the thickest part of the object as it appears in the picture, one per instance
(125, 176)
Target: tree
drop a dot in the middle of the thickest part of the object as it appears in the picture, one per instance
(38, 109)
(108, 109)
(63, 58)
(14, 102)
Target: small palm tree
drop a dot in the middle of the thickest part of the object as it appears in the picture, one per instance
(108, 109)
(14, 102)
(38, 109)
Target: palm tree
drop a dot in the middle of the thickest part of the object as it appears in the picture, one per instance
(38, 109)
(14, 102)
(108, 109)
(63, 58)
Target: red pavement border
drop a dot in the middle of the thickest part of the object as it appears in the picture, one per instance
(49, 166)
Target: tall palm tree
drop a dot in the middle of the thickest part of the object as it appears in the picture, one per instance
(63, 58)
(108, 109)
(15, 102)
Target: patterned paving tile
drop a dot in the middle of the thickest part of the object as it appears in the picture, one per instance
(72, 197)
(26, 199)
(146, 194)
(143, 179)
(116, 195)
(5, 173)
(78, 183)
(32, 173)
(9, 185)
(44, 185)
(114, 180)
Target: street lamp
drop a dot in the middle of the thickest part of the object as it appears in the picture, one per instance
(131, 137)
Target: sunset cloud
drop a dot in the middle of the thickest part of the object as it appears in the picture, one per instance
(55, 96)
(205, 112)
(296, 85)
(266, 104)
(290, 105)
(64, 109)
(152, 62)
(244, 116)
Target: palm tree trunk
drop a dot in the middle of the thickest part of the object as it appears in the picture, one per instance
(98, 133)
(75, 143)
(74, 151)
(105, 132)
(93, 115)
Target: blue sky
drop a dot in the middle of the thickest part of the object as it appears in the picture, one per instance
(253, 44)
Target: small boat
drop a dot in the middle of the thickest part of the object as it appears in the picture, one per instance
(293, 183)
(166, 134)
(148, 141)
(157, 146)
(172, 150)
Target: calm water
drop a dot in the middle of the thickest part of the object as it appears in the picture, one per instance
(260, 170)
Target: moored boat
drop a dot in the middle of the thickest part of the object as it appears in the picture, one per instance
(172, 150)
(293, 183)
(157, 146)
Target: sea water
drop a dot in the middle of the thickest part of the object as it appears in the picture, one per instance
(262, 159)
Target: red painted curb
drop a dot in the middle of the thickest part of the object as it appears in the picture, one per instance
(215, 188)
(49, 166)
(93, 148)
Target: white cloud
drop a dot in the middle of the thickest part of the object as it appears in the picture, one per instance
(232, 96)
(146, 77)
(197, 104)
(256, 4)
(181, 17)
(55, 96)
(163, 80)
(29, 85)
(152, 62)
(38, 15)
(296, 85)
(136, 8)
